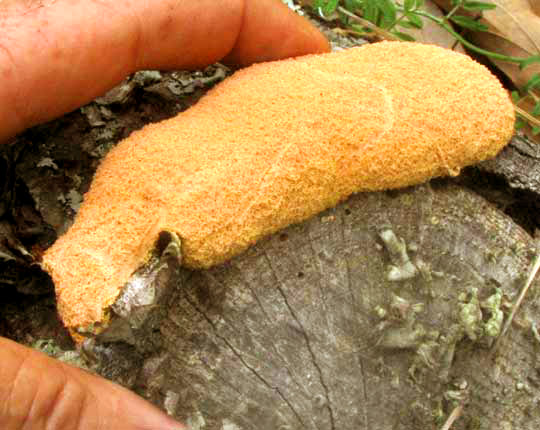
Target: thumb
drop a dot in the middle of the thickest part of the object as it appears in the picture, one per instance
(270, 31)
(40, 393)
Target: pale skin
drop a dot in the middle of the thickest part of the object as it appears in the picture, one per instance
(56, 55)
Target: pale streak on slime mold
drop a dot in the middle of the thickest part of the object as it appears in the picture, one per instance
(376, 117)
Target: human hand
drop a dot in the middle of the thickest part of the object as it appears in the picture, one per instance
(39, 393)
(56, 55)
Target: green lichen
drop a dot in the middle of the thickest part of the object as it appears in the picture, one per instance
(401, 268)
(492, 304)
(470, 315)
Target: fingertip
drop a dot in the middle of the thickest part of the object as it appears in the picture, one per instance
(128, 410)
(271, 31)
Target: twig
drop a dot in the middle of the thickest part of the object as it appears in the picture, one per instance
(456, 413)
(516, 306)
(523, 113)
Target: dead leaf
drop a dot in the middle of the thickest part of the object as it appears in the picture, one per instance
(515, 20)
(496, 42)
(514, 30)
(434, 33)
(512, 19)
(535, 6)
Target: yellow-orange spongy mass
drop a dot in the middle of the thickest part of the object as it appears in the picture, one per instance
(270, 146)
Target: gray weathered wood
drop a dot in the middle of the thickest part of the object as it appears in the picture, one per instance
(518, 164)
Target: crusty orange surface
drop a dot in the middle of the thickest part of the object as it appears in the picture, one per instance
(270, 146)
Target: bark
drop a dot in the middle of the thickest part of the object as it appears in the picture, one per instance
(518, 164)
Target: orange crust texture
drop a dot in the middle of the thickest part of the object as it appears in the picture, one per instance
(273, 145)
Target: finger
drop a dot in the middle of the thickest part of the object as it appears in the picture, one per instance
(59, 54)
(40, 393)
(244, 32)
(270, 31)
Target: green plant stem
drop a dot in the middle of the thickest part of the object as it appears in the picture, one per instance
(389, 36)
(377, 30)
(452, 12)
(468, 44)
(397, 21)
(526, 115)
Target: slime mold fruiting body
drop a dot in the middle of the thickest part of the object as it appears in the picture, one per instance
(273, 145)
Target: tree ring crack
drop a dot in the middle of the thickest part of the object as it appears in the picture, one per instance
(274, 348)
(245, 364)
(308, 345)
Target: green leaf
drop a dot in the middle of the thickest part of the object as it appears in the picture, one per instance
(359, 28)
(520, 123)
(415, 20)
(371, 11)
(388, 12)
(330, 7)
(318, 5)
(405, 24)
(404, 36)
(536, 109)
(353, 5)
(345, 20)
(478, 5)
(515, 96)
(532, 83)
(409, 5)
(536, 130)
(325, 8)
(530, 60)
(419, 4)
(469, 23)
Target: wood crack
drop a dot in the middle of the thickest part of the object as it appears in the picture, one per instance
(251, 369)
(310, 349)
(360, 362)
(267, 319)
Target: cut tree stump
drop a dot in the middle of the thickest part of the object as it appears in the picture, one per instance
(372, 315)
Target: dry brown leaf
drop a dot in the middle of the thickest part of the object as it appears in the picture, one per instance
(514, 30)
(516, 20)
(513, 19)
(433, 33)
(519, 23)
(495, 42)
(535, 6)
